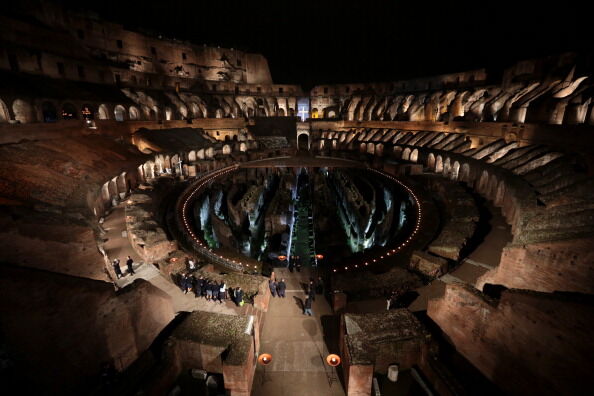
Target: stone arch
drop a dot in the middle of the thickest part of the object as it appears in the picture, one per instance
(209, 152)
(483, 182)
(183, 110)
(414, 155)
(119, 113)
(370, 148)
(363, 148)
(431, 161)
(492, 188)
(226, 149)
(303, 142)
(379, 149)
(406, 154)
(4, 113)
(134, 114)
(219, 113)
(23, 112)
(281, 112)
(397, 151)
(102, 112)
(168, 113)
(315, 113)
(69, 112)
(122, 185)
(500, 194)
(439, 164)
(465, 173)
(455, 171)
(49, 112)
(192, 156)
(447, 167)
(200, 154)
(242, 147)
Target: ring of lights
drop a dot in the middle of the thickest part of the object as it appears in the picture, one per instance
(185, 201)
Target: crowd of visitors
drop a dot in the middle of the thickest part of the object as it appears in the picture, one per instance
(210, 289)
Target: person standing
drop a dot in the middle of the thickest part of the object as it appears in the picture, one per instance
(129, 263)
(116, 268)
(208, 290)
(183, 283)
(222, 291)
(239, 296)
(200, 286)
(272, 286)
(307, 306)
(215, 290)
(281, 287)
(311, 290)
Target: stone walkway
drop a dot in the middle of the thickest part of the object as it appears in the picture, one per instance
(297, 344)
(118, 246)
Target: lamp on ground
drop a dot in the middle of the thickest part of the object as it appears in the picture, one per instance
(265, 359)
(333, 360)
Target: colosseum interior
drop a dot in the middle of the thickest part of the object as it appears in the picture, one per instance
(440, 228)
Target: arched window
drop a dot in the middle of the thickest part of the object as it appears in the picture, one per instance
(49, 112)
(119, 113)
(103, 113)
(134, 113)
(23, 112)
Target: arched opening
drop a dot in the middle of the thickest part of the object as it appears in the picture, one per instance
(315, 113)
(87, 112)
(120, 113)
(183, 110)
(23, 112)
(209, 152)
(102, 112)
(242, 147)
(455, 171)
(438, 164)
(303, 141)
(4, 114)
(69, 112)
(49, 112)
(370, 148)
(219, 113)
(406, 154)
(465, 174)
(431, 161)
(447, 167)
(168, 113)
(281, 112)
(226, 149)
(134, 113)
(291, 112)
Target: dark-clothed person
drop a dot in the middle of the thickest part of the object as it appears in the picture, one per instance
(238, 296)
(129, 264)
(307, 307)
(272, 286)
(281, 287)
(117, 269)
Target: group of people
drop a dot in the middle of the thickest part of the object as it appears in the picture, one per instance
(277, 288)
(210, 289)
(118, 270)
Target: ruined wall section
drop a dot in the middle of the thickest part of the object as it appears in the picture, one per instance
(526, 342)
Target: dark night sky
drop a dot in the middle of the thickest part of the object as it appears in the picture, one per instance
(315, 42)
